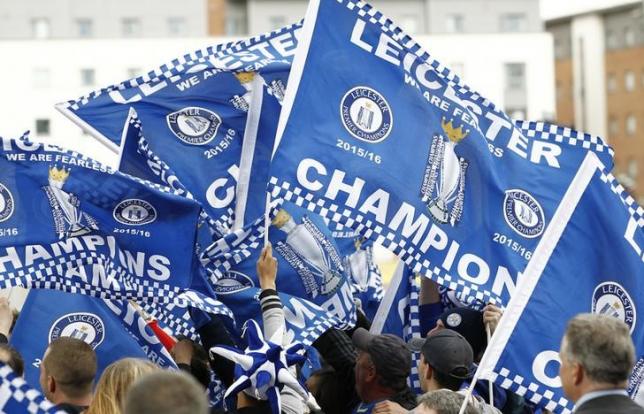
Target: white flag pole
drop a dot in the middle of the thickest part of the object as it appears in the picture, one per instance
(267, 221)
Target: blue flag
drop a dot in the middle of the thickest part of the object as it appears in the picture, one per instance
(311, 275)
(72, 224)
(48, 315)
(194, 112)
(378, 135)
(17, 397)
(593, 248)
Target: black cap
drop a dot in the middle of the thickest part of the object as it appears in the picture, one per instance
(389, 353)
(447, 351)
(469, 323)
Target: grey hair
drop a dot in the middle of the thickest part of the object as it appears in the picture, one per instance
(602, 345)
(445, 402)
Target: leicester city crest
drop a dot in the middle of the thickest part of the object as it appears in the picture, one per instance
(6, 203)
(611, 299)
(134, 212)
(443, 187)
(87, 327)
(194, 125)
(523, 213)
(233, 282)
(366, 114)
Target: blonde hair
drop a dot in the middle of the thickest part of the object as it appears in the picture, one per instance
(115, 382)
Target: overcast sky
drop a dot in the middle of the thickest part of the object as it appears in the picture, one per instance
(556, 8)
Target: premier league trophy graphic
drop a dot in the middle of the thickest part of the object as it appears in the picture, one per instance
(310, 253)
(243, 102)
(444, 181)
(69, 220)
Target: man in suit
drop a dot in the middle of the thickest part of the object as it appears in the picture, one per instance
(597, 356)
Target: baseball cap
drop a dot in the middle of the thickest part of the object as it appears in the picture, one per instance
(446, 351)
(389, 353)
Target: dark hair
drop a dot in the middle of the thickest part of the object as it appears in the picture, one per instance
(446, 381)
(11, 357)
(72, 364)
(166, 392)
(330, 391)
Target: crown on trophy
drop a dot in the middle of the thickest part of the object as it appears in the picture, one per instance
(281, 218)
(455, 135)
(245, 77)
(58, 175)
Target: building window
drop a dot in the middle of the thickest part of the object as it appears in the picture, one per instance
(629, 81)
(130, 27)
(631, 169)
(513, 22)
(42, 78)
(276, 22)
(87, 77)
(612, 83)
(612, 42)
(40, 28)
(515, 76)
(613, 126)
(176, 26)
(133, 72)
(631, 124)
(629, 36)
(42, 126)
(455, 23)
(85, 28)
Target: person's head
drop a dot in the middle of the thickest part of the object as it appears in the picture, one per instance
(382, 366)
(442, 402)
(467, 322)
(445, 360)
(596, 353)
(166, 392)
(11, 357)
(327, 388)
(67, 371)
(114, 383)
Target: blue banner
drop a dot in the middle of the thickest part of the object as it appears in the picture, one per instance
(593, 248)
(310, 272)
(48, 315)
(72, 224)
(194, 112)
(378, 135)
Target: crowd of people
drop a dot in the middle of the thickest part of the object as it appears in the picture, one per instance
(360, 372)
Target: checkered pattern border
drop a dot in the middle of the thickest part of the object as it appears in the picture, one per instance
(634, 209)
(177, 325)
(16, 393)
(388, 27)
(406, 251)
(558, 134)
(51, 274)
(413, 330)
(170, 71)
(538, 394)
